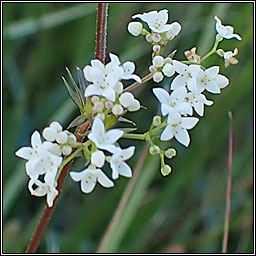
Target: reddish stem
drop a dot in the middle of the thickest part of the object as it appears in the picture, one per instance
(101, 55)
(101, 34)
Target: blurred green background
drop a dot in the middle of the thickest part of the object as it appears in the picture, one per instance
(183, 212)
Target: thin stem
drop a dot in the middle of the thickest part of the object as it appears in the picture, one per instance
(228, 194)
(121, 206)
(101, 34)
(136, 84)
(212, 51)
(134, 136)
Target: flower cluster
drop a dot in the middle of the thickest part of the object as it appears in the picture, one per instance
(160, 33)
(104, 101)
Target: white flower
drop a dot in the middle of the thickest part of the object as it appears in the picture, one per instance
(225, 31)
(197, 101)
(128, 68)
(42, 190)
(173, 31)
(173, 102)
(210, 80)
(155, 20)
(89, 177)
(187, 75)
(102, 139)
(40, 159)
(135, 28)
(229, 57)
(128, 101)
(117, 163)
(177, 127)
(98, 158)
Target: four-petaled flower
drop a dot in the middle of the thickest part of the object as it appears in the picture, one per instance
(117, 163)
(89, 177)
(177, 127)
(225, 31)
(101, 138)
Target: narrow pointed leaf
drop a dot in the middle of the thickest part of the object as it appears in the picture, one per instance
(122, 119)
(76, 122)
(72, 94)
(81, 79)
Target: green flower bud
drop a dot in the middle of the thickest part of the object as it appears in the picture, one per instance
(170, 153)
(154, 150)
(166, 170)
(219, 38)
(220, 52)
(156, 120)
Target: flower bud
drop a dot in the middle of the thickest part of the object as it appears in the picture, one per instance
(220, 52)
(154, 150)
(98, 158)
(66, 150)
(168, 70)
(108, 105)
(158, 77)
(126, 99)
(156, 48)
(62, 138)
(156, 38)
(98, 107)
(219, 38)
(135, 106)
(117, 110)
(152, 69)
(101, 116)
(94, 99)
(71, 138)
(149, 38)
(166, 170)
(156, 120)
(158, 61)
(55, 125)
(170, 153)
(168, 60)
(49, 134)
(135, 28)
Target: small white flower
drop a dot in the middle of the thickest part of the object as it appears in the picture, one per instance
(155, 20)
(197, 101)
(187, 75)
(229, 57)
(98, 158)
(89, 177)
(177, 127)
(210, 80)
(42, 190)
(176, 101)
(135, 28)
(103, 139)
(225, 31)
(117, 163)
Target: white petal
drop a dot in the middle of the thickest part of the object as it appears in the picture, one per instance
(50, 176)
(178, 81)
(193, 70)
(162, 95)
(199, 108)
(51, 195)
(179, 67)
(175, 27)
(77, 176)
(173, 118)
(114, 59)
(25, 153)
(182, 136)
(87, 73)
(88, 182)
(212, 72)
(134, 77)
(125, 170)
(98, 128)
(113, 135)
(92, 90)
(103, 179)
(127, 153)
(179, 93)
(115, 173)
(98, 64)
(212, 87)
(167, 134)
(129, 67)
(189, 122)
(36, 139)
(221, 81)
(166, 109)
(110, 94)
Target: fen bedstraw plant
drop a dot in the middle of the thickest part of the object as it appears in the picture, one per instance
(103, 102)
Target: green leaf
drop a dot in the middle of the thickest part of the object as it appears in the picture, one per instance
(77, 121)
